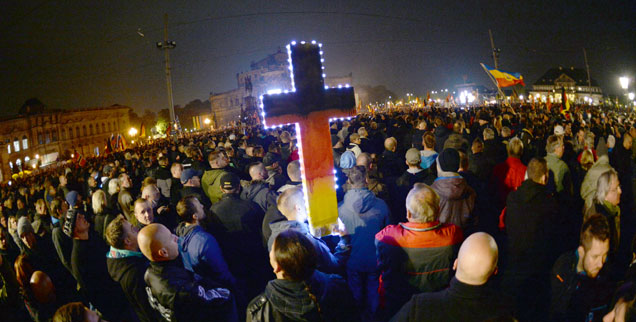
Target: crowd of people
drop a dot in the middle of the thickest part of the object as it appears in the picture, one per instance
(484, 214)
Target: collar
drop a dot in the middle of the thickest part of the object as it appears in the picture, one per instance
(414, 171)
(416, 226)
(122, 253)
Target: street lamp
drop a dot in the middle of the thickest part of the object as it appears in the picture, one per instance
(206, 121)
(631, 96)
(624, 82)
(132, 132)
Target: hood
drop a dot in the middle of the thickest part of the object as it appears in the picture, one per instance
(292, 300)
(279, 226)
(452, 188)
(253, 189)
(185, 234)
(360, 200)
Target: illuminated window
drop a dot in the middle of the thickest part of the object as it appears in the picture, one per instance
(10, 164)
(16, 145)
(47, 137)
(26, 159)
(9, 148)
(25, 143)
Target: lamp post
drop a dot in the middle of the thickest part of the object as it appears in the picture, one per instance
(132, 132)
(624, 81)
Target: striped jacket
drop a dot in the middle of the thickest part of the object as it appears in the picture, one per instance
(414, 258)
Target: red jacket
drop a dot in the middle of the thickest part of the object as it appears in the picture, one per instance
(507, 177)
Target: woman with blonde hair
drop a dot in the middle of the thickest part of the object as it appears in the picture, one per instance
(103, 214)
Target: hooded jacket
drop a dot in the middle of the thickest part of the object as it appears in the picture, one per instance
(456, 200)
(202, 254)
(285, 300)
(506, 177)
(128, 268)
(327, 262)
(363, 215)
(211, 184)
(259, 193)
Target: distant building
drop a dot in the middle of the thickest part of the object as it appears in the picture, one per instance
(269, 73)
(38, 137)
(574, 80)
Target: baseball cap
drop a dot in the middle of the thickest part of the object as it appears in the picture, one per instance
(189, 174)
(413, 156)
(230, 181)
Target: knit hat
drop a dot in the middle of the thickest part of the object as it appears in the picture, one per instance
(188, 174)
(449, 160)
(71, 198)
(230, 181)
(347, 160)
(413, 156)
(24, 226)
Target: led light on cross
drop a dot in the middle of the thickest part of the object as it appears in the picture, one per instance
(311, 105)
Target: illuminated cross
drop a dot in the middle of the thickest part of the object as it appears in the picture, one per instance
(310, 105)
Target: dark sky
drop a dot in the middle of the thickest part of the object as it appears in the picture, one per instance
(73, 54)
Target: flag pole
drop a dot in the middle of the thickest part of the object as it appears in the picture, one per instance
(493, 80)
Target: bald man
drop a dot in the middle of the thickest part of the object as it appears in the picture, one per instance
(172, 290)
(469, 297)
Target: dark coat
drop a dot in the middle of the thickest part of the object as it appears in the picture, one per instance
(89, 266)
(177, 295)
(261, 194)
(391, 164)
(285, 300)
(459, 302)
(129, 272)
(576, 296)
(240, 220)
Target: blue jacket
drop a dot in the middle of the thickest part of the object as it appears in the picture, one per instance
(363, 215)
(202, 255)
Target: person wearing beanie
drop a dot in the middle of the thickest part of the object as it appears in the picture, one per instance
(456, 198)
(191, 181)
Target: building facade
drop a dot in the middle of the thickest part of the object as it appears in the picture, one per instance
(34, 140)
(267, 74)
(574, 80)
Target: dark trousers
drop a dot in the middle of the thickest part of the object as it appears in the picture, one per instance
(364, 286)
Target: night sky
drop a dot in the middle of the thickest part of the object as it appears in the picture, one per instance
(73, 54)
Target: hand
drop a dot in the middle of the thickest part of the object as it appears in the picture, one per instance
(162, 209)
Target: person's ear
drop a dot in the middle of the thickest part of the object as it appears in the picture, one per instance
(408, 215)
(455, 265)
(496, 270)
(581, 250)
(163, 252)
(544, 179)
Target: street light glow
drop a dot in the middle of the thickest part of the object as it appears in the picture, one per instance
(132, 131)
(206, 121)
(624, 82)
(631, 96)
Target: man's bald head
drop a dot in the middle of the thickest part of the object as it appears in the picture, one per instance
(390, 144)
(157, 243)
(477, 259)
(42, 287)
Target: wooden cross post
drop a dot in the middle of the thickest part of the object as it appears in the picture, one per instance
(310, 105)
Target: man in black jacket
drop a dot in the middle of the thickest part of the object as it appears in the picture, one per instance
(241, 220)
(531, 215)
(580, 287)
(191, 181)
(258, 191)
(89, 268)
(127, 266)
(470, 297)
(174, 292)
